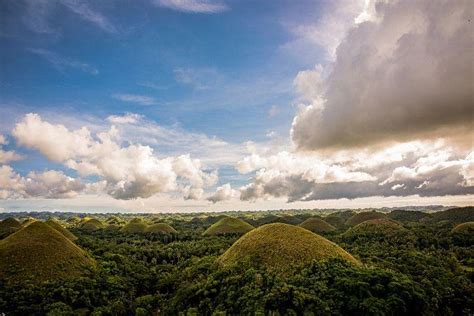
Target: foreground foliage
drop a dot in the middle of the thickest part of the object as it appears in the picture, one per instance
(423, 269)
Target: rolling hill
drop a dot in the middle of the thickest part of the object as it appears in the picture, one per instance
(464, 228)
(364, 216)
(54, 224)
(228, 225)
(317, 225)
(91, 224)
(382, 227)
(39, 252)
(281, 248)
(160, 228)
(9, 226)
(135, 226)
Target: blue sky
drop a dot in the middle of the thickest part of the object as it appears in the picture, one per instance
(216, 80)
(204, 66)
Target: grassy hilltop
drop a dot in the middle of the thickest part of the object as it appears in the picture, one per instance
(228, 225)
(364, 216)
(39, 252)
(281, 247)
(317, 225)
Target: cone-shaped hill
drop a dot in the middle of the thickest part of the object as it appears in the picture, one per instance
(364, 216)
(286, 219)
(228, 225)
(160, 228)
(112, 227)
(317, 225)
(39, 252)
(455, 215)
(407, 216)
(383, 227)
(28, 221)
(9, 226)
(91, 224)
(135, 226)
(54, 224)
(74, 220)
(335, 221)
(114, 220)
(464, 228)
(280, 248)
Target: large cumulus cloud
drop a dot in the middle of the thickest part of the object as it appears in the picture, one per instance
(49, 184)
(127, 172)
(406, 74)
(414, 168)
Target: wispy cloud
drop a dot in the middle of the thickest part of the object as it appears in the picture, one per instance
(61, 63)
(38, 14)
(129, 118)
(84, 11)
(197, 78)
(135, 98)
(153, 86)
(274, 111)
(193, 6)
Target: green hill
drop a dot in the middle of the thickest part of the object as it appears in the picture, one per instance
(91, 224)
(286, 219)
(54, 224)
(160, 228)
(39, 252)
(335, 221)
(407, 216)
(135, 226)
(112, 227)
(74, 220)
(114, 220)
(281, 248)
(382, 227)
(338, 219)
(317, 225)
(228, 225)
(267, 219)
(9, 226)
(464, 228)
(455, 215)
(364, 216)
(28, 221)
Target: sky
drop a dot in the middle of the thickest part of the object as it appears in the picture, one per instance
(200, 105)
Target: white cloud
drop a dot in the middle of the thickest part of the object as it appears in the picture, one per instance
(83, 10)
(193, 6)
(223, 193)
(418, 168)
(61, 63)
(197, 78)
(3, 140)
(7, 156)
(56, 142)
(130, 172)
(174, 140)
(49, 184)
(135, 98)
(330, 29)
(39, 13)
(401, 77)
(129, 118)
(274, 111)
(190, 193)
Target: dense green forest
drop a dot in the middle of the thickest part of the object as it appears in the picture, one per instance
(402, 262)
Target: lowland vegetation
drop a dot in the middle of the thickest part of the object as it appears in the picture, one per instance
(305, 262)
